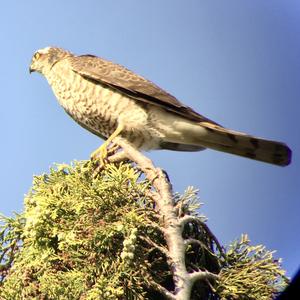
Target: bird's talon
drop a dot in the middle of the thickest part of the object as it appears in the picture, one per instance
(99, 165)
(98, 170)
(113, 149)
(100, 153)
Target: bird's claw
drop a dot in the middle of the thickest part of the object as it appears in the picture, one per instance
(100, 157)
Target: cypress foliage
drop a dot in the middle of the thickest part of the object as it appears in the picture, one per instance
(87, 237)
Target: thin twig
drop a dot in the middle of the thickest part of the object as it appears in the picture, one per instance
(191, 241)
(155, 245)
(187, 219)
(203, 275)
(163, 290)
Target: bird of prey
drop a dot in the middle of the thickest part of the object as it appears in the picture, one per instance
(109, 100)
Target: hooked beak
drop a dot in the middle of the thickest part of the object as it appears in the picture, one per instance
(31, 70)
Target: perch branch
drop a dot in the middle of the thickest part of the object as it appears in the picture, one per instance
(172, 225)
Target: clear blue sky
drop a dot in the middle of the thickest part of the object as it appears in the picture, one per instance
(237, 62)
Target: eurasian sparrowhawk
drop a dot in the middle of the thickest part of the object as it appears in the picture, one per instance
(109, 100)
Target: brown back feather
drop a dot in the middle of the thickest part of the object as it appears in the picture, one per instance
(125, 81)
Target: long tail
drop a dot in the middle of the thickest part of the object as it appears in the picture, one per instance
(222, 139)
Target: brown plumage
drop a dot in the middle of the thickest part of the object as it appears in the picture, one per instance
(106, 98)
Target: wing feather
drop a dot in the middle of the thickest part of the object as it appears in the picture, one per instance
(135, 86)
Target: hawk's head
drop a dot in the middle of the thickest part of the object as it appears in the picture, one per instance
(44, 59)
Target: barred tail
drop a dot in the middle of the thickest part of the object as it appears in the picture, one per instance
(225, 140)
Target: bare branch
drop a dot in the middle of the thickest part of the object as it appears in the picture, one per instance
(171, 223)
(155, 245)
(164, 291)
(186, 219)
(203, 275)
(193, 241)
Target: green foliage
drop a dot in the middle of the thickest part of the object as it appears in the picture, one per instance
(11, 229)
(79, 236)
(85, 237)
(250, 273)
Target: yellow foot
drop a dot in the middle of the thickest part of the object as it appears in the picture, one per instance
(103, 152)
(100, 154)
(100, 157)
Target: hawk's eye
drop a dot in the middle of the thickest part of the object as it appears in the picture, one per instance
(37, 55)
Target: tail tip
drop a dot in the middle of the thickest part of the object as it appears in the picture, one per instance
(284, 156)
(289, 156)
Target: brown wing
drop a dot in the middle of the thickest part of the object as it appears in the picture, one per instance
(121, 79)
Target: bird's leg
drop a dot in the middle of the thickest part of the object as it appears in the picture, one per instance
(101, 152)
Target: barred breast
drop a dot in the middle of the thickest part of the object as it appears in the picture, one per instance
(101, 109)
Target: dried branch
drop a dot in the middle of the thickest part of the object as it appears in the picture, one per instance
(172, 224)
(203, 275)
(154, 245)
(191, 241)
(168, 295)
(189, 219)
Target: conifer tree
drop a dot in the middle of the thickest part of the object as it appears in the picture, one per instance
(124, 234)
